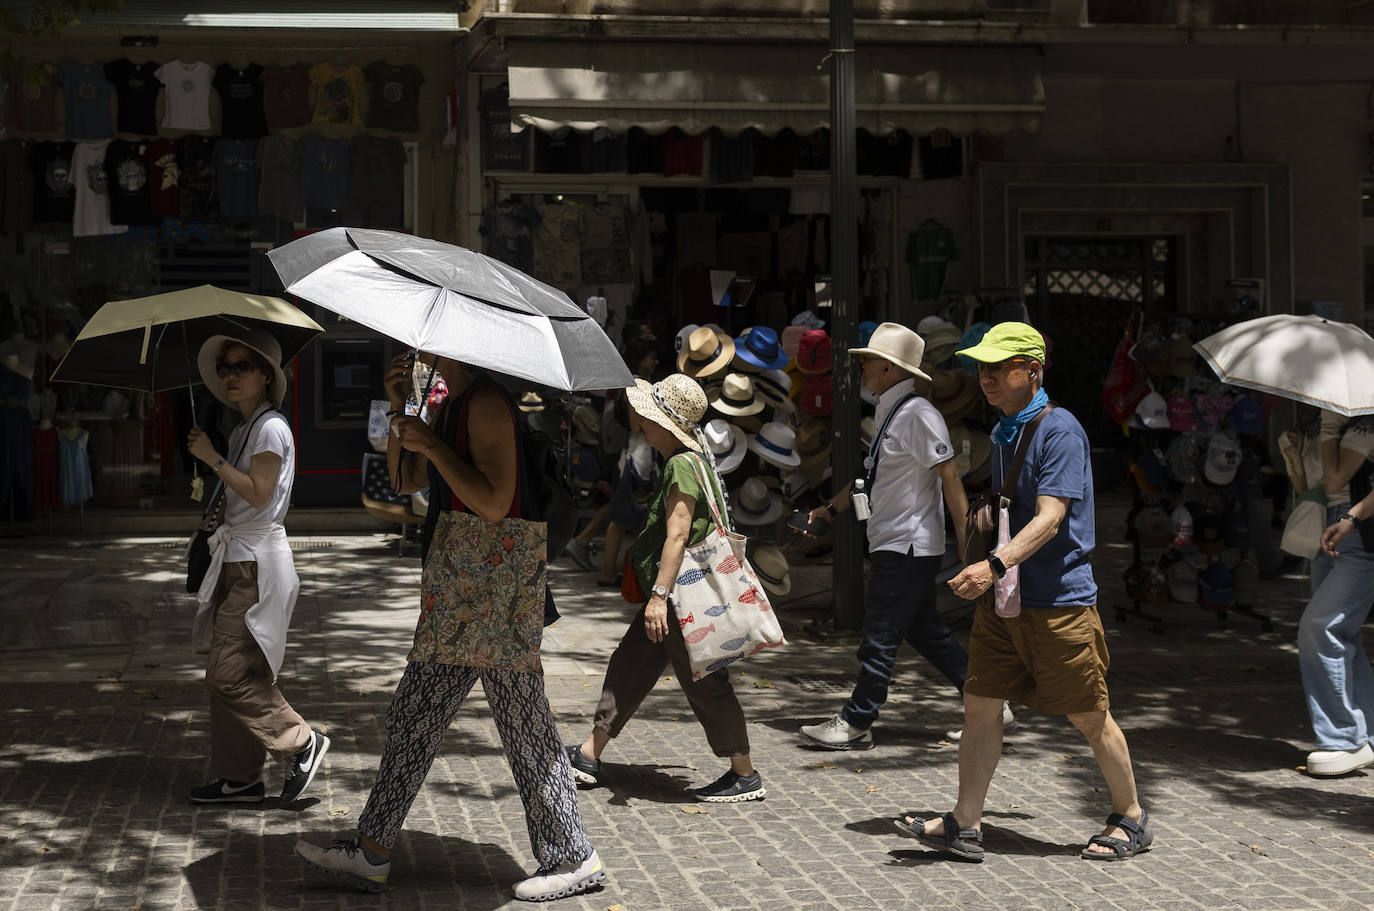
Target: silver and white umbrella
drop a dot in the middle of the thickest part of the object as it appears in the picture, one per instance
(453, 302)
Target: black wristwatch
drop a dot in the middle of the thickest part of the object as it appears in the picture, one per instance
(1353, 520)
(830, 508)
(997, 565)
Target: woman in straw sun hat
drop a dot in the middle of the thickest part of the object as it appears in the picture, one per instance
(679, 517)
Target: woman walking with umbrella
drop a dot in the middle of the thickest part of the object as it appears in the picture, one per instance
(249, 591)
(481, 617)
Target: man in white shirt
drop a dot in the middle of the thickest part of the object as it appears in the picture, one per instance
(909, 465)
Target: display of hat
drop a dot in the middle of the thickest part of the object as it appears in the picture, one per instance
(737, 396)
(756, 504)
(815, 353)
(1182, 520)
(972, 449)
(1247, 415)
(972, 336)
(1222, 460)
(1153, 412)
(1181, 458)
(790, 340)
(1213, 408)
(815, 397)
(707, 352)
(775, 388)
(953, 393)
(776, 444)
(813, 441)
(1151, 470)
(586, 422)
(1154, 530)
(896, 344)
(770, 565)
(749, 423)
(263, 343)
(1218, 588)
(1181, 415)
(675, 403)
(1210, 534)
(941, 338)
(531, 402)
(866, 430)
(1151, 352)
(866, 331)
(727, 444)
(758, 347)
(808, 319)
(683, 334)
(1182, 357)
(1181, 574)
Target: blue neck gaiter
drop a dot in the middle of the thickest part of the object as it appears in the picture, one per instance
(1008, 427)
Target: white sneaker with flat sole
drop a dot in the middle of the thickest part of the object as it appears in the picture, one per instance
(837, 734)
(1338, 762)
(562, 880)
(1008, 725)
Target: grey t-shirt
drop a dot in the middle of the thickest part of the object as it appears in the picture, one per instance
(236, 171)
(324, 171)
(279, 190)
(86, 92)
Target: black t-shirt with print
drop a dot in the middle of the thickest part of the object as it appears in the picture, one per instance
(136, 87)
(198, 190)
(393, 95)
(126, 182)
(241, 100)
(54, 194)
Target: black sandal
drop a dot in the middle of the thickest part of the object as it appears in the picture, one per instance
(1139, 841)
(965, 844)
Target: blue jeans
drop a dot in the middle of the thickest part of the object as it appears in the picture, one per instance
(900, 605)
(1336, 675)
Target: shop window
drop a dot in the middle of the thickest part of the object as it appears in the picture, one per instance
(348, 377)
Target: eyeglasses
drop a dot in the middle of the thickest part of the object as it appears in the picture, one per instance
(224, 369)
(985, 369)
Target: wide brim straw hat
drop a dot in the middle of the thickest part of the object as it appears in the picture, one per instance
(531, 402)
(897, 344)
(737, 396)
(953, 393)
(728, 444)
(587, 424)
(813, 441)
(675, 403)
(707, 351)
(259, 341)
(775, 388)
(770, 565)
(972, 449)
(757, 504)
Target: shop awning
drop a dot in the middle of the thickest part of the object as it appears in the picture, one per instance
(735, 87)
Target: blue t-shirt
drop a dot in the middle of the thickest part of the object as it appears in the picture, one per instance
(1057, 465)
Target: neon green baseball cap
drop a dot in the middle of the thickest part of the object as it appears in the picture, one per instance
(1008, 340)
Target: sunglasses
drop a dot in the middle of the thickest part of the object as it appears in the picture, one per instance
(985, 369)
(225, 369)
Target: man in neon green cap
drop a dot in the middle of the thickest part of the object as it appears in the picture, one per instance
(1037, 638)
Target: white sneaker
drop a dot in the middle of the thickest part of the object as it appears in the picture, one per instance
(1338, 762)
(580, 554)
(565, 879)
(345, 862)
(837, 734)
(1008, 725)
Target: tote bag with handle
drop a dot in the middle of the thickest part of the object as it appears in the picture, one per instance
(719, 603)
(1302, 533)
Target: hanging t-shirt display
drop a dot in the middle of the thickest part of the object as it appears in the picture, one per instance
(509, 228)
(286, 95)
(324, 171)
(337, 90)
(196, 178)
(164, 178)
(136, 89)
(240, 97)
(187, 102)
(279, 170)
(682, 154)
(92, 211)
(559, 151)
(393, 98)
(606, 245)
(376, 183)
(605, 153)
(126, 176)
(928, 252)
(54, 192)
(31, 99)
(558, 245)
(86, 92)
(502, 149)
(236, 173)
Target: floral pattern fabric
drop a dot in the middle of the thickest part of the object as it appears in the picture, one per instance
(482, 594)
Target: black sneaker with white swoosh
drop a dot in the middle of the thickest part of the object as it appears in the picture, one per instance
(223, 791)
(301, 768)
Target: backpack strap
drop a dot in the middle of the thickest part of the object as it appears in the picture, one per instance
(220, 487)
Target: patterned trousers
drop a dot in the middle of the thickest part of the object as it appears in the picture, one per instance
(426, 702)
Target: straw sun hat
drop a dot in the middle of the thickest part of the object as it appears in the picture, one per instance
(675, 403)
(258, 341)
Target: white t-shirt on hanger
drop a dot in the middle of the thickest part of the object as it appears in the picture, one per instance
(92, 211)
(187, 95)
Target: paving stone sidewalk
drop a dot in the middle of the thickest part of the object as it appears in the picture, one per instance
(103, 728)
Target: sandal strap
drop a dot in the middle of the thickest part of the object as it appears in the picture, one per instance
(954, 834)
(1128, 824)
(1121, 847)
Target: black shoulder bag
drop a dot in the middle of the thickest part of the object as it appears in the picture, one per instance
(198, 553)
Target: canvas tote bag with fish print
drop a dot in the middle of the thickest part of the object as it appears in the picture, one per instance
(722, 609)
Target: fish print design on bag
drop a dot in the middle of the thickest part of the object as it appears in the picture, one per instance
(722, 662)
(697, 635)
(729, 565)
(693, 575)
(683, 621)
(730, 645)
(749, 597)
(717, 610)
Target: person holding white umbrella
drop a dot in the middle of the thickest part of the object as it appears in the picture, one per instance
(249, 592)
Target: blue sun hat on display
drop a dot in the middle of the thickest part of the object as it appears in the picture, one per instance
(759, 347)
(866, 332)
(972, 336)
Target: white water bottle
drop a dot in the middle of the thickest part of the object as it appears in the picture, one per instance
(859, 500)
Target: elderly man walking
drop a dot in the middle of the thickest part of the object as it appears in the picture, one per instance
(909, 466)
(1051, 655)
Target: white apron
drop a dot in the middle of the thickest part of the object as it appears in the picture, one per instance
(278, 586)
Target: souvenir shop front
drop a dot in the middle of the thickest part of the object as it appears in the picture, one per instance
(135, 170)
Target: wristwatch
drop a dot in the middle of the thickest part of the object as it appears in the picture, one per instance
(1352, 519)
(997, 565)
(219, 463)
(830, 508)
(659, 591)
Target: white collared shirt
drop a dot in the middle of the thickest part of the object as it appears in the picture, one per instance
(907, 502)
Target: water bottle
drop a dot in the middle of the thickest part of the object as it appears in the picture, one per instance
(859, 500)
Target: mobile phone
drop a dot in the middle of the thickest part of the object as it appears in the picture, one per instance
(802, 521)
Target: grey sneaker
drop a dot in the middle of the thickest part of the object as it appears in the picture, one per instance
(344, 861)
(300, 771)
(732, 788)
(837, 734)
(1008, 725)
(580, 554)
(562, 880)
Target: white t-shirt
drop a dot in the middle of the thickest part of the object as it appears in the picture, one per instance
(907, 509)
(92, 211)
(187, 95)
(271, 434)
(1358, 436)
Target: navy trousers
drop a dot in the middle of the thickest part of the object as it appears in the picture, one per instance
(900, 605)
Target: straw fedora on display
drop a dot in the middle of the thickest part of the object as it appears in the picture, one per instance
(775, 388)
(587, 424)
(705, 353)
(953, 393)
(756, 504)
(758, 348)
(813, 442)
(530, 402)
(727, 443)
(737, 396)
(770, 565)
(815, 352)
(896, 343)
(675, 403)
(261, 342)
(941, 342)
(776, 444)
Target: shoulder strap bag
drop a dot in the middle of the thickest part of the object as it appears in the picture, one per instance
(198, 549)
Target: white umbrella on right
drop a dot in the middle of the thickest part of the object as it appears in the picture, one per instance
(1305, 358)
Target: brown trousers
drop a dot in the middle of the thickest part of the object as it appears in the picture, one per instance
(249, 717)
(635, 667)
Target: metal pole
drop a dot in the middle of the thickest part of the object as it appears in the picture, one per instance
(847, 542)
